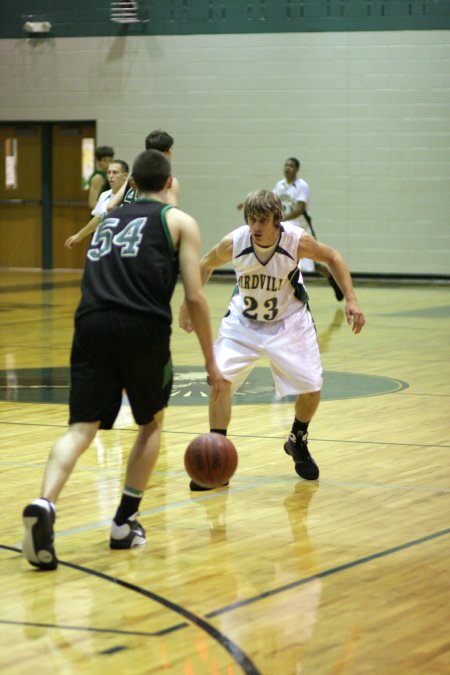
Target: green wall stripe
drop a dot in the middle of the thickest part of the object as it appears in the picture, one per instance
(189, 17)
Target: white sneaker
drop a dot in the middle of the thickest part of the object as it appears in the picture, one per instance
(37, 547)
(128, 535)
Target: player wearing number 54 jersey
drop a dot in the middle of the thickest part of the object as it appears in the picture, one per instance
(269, 316)
(122, 341)
(130, 247)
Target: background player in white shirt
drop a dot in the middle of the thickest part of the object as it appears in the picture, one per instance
(294, 195)
(117, 176)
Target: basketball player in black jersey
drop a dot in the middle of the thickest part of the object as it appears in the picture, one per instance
(127, 193)
(98, 180)
(155, 140)
(122, 341)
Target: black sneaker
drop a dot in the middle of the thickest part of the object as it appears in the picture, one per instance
(305, 466)
(37, 547)
(128, 535)
(195, 487)
(337, 291)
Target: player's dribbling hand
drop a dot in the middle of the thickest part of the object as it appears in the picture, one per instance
(215, 381)
(355, 317)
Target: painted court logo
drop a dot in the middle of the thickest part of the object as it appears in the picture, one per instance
(51, 385)
(190, 383)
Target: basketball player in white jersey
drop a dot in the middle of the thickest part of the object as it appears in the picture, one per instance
(117, 176)
(294, 195)
(269, 316)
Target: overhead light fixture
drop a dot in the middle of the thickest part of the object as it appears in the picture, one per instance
(33, 27)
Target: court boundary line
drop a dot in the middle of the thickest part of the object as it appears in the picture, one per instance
(238, 655)
(89, 629)
(329, 572)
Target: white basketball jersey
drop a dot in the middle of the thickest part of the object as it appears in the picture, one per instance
(272, 290)
(290, 195)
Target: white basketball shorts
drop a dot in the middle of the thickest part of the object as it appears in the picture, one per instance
(290, 346)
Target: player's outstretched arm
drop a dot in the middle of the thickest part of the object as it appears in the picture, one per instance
(117, 198)
(310, 248)
(75, 239)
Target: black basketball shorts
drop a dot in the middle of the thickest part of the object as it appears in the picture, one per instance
(114, 351)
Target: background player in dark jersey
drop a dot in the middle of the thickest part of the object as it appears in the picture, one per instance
(155, 140)
(122, 341)
(98, 181)
(127, 193)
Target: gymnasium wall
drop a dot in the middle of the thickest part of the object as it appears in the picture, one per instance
(366, 111)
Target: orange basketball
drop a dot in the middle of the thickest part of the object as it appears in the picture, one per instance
(210, 460)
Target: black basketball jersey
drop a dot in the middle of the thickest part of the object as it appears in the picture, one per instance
(131, 263)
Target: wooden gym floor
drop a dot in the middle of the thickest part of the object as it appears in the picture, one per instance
(273, 575)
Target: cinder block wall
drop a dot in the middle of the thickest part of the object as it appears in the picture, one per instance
(365, 112)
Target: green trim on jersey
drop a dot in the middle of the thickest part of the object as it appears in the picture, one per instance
(168, 372)
(167, 231)
(299, 290)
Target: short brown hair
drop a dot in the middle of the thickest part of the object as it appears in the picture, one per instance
(263, 203)
(103, 151)
(159, 140)
(151, 169)
(122, 163)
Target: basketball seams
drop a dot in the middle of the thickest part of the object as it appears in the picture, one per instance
(210, 459)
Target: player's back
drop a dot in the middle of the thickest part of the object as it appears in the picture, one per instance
(131, 263)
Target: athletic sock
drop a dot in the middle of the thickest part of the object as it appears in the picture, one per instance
(129, 505)
(299, 428)
(218, 431)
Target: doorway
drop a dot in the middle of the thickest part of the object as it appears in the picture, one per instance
(42, 196)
